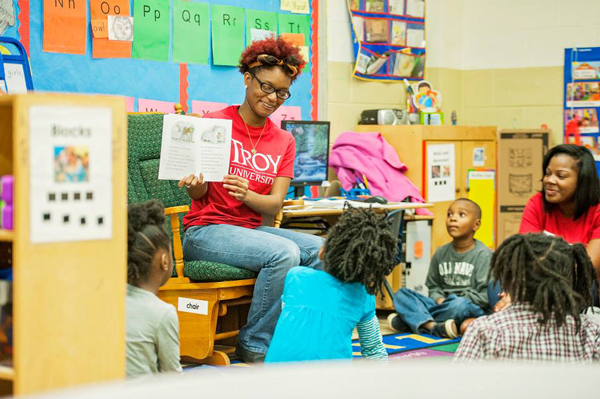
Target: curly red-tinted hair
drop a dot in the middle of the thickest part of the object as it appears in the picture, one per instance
(276, 47)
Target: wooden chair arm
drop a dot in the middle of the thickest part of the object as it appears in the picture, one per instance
(173, 212)
(279, 217)
(177, 209)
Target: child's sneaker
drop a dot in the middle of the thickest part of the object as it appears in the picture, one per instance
(446, 329)
(397, 324)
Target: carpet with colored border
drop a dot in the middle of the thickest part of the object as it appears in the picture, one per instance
(414, 346)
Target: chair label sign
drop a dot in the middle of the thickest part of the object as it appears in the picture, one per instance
(190, 305)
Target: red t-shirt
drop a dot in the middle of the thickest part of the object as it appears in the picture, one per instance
(582, 230)
(274, 158)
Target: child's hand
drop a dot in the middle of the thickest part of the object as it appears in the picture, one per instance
(440, 300)
(504, 302)
(192, 181)
(237, 186)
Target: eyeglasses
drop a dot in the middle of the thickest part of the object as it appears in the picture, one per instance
(268, 89)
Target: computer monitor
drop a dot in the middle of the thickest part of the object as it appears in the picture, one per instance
(312, 152)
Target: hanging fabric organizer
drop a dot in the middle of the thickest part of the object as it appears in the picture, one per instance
(388, 38)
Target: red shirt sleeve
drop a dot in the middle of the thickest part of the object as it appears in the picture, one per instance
(596, 227)
(533, 216)
(287, 164)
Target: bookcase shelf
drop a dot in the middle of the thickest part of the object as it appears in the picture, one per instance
(6, 235)
(7, 373)
(68, 296)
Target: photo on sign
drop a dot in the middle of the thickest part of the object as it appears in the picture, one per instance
(583, 94)
(588, 142)
(478, 156)
(586, 70)
(120, 28)
(71, 164)
(586, 119)
(435, 171)
(446, 171)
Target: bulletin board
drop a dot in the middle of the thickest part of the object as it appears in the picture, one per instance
(581, 99)
(168, 81)
(388, 38)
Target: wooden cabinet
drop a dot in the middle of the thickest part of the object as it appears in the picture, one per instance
(411, 142)
(68, 296)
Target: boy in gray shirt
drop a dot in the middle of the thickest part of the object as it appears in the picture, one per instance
(457, 281)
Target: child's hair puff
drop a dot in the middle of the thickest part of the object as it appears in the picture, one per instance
(361, 248)
(555, 278)
(276, 47)
(145, 236)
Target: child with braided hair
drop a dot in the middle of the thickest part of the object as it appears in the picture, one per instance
(322, 308)
(550, 283)
(152, 326)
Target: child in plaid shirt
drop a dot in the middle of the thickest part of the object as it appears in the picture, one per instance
(550, 284)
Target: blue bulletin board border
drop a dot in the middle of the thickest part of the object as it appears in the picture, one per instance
(166, 81)
(581, 96)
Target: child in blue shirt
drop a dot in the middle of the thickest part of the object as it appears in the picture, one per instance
(322, 308)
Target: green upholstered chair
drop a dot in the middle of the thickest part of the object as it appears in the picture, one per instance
(216, 286)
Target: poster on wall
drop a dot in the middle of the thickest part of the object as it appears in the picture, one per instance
(441, 175)
(581, 100)
(388, 39)
(70, 150)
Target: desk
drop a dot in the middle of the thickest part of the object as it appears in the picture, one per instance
(327, 213)
(331, 214)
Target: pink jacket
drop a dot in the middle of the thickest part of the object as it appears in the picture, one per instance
(356, 153)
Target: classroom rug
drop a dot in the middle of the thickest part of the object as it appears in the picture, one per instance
(407, 342)
(398, 346)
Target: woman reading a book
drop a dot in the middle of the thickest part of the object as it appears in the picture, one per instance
(224, 223)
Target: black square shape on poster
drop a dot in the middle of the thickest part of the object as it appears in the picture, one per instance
(89, 195)
(51, 197)
(46, 217)
(82, 221)
(100, 220)
(64, 196)
(76, 196)
(66, 219)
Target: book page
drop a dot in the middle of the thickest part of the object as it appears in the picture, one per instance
(215, 148)
(194, 145)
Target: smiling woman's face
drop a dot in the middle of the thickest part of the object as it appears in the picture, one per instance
(560, 179)
(261, 103)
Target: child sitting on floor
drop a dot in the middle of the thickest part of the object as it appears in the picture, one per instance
(550, 284)
(152, 326)
(321, 308)
(457, 281)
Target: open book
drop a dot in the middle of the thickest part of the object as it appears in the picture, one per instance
(194, 145)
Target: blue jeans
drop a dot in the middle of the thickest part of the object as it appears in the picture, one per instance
(417, 309)
(268, 251)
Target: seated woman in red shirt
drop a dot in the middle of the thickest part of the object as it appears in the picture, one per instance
(225, 221)
(568, 205)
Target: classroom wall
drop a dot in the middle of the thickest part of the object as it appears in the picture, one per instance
(348, 96)
(496, 62)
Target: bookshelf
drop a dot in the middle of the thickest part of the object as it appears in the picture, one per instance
(68, 296)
